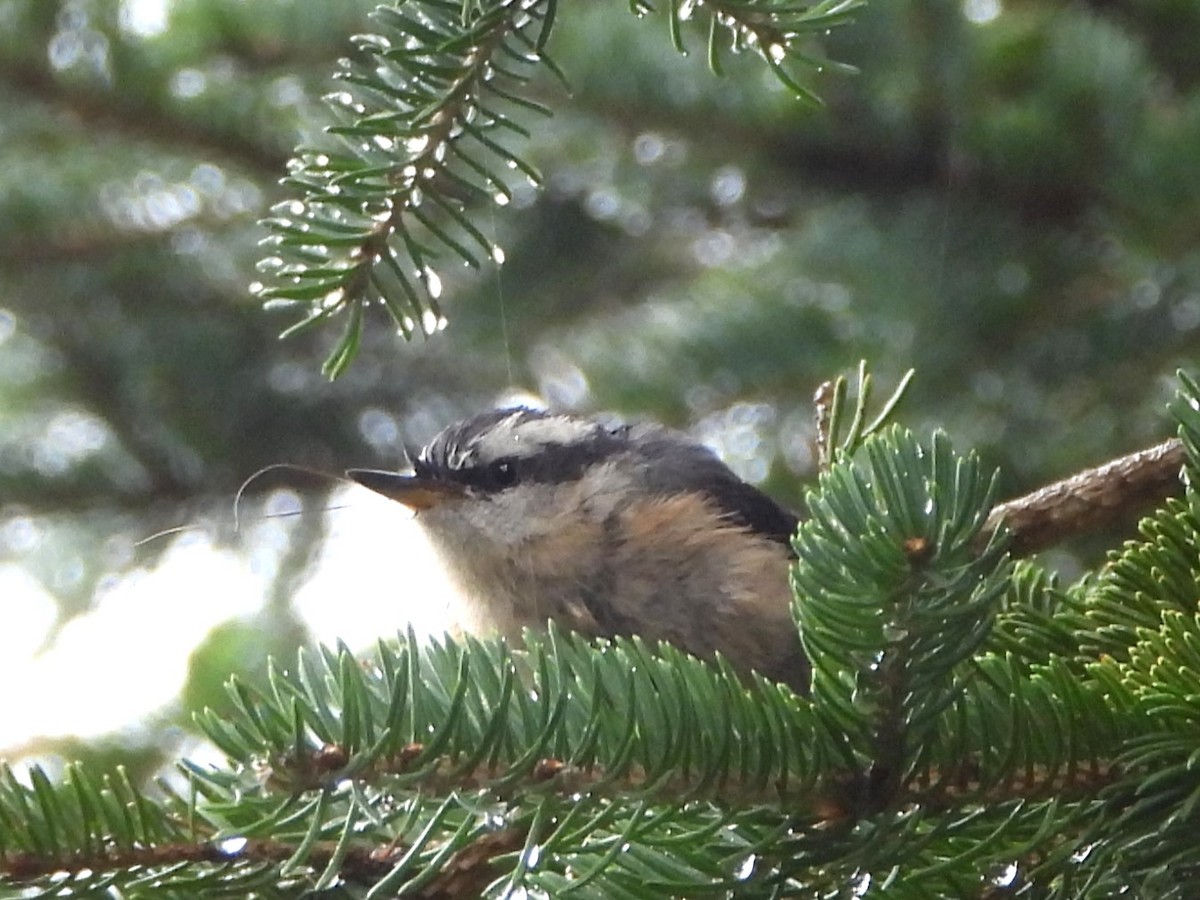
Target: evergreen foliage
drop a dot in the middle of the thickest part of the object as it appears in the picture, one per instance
(431, 110)
(972, 730)
(1012, 204)
(1008, 203)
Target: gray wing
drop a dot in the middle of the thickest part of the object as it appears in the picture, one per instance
(673, 463)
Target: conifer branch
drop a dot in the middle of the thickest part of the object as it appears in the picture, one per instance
(1092, 499)
(428, 109)
(432, 117)
(970, 724)
(774, 29)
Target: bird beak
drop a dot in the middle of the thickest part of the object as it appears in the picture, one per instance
(413, 491)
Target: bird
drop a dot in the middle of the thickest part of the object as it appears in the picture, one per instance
(608, 530)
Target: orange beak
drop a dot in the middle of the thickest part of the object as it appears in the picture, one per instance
(413, 491)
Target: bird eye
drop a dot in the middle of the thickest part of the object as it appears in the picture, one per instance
(502, 474)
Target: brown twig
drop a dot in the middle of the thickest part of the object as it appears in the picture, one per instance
(470, 870)
(1090, 500)
(823, 413)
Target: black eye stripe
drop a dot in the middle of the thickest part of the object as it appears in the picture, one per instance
(504, 472)
(493, 477)
(552, 464)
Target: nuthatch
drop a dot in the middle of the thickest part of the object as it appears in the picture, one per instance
(626, 530)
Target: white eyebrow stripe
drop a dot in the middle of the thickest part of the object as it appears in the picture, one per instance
(520, 436)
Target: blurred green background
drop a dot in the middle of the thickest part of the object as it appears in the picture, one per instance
(1006, 197)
